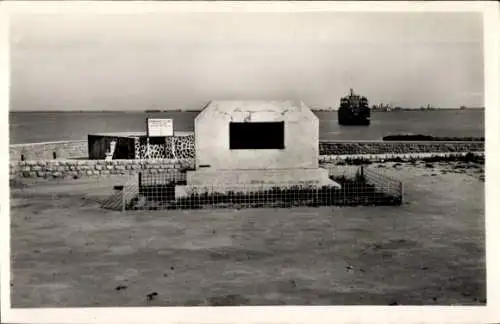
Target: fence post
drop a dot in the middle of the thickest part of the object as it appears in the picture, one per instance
(343, 194)
(140, 182)
(401, 191)
(124, 201)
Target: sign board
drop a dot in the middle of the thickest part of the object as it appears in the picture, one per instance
(160, 127)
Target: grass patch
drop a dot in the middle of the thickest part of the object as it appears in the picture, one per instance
(467, 158)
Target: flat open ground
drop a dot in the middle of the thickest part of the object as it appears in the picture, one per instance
(67, 252)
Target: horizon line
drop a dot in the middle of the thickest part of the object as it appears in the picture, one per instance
(194, 110)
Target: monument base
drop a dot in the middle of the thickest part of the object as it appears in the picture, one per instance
(208, 181)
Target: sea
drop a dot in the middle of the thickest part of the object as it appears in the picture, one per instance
(35, 127)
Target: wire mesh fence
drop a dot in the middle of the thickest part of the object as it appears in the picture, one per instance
(381, 181)
(354, 186)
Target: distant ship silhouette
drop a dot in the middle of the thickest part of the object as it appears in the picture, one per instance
(354, 110)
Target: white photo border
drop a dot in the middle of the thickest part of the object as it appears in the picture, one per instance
(269, 314)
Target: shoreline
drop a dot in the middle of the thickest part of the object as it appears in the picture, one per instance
(15, 145)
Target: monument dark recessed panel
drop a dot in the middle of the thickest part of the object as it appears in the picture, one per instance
(257, 136)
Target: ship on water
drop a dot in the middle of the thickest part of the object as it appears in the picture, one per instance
(354, 110)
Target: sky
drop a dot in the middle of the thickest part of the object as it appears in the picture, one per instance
(84, 61)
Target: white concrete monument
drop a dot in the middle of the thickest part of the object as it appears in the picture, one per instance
(255, 144)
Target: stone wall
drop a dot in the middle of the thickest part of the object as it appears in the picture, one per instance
(45, 151)
(374, 147)
(401, 157)
(89, 168)
(185, 148)
(85, 168)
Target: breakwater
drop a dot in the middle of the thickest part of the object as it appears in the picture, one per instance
(79, 149)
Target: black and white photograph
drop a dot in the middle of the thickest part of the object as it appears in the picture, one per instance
(227, 157)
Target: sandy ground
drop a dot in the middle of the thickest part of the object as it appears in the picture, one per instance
(67, 252)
